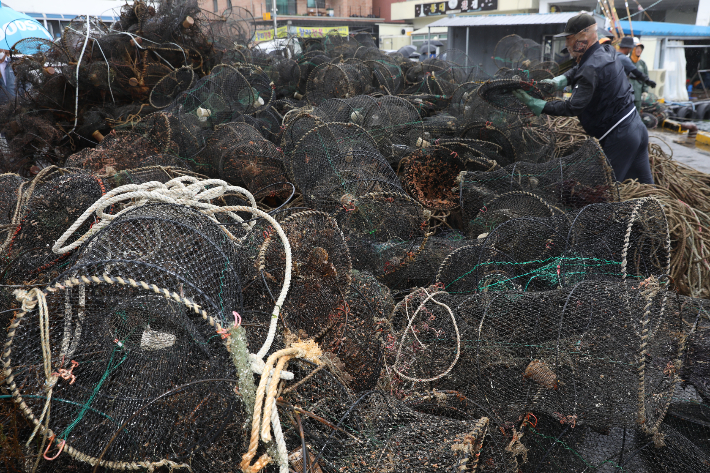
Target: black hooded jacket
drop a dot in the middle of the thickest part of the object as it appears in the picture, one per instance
(629, 66)
(601, 93)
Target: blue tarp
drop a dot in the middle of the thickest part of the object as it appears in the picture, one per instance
(658, 28)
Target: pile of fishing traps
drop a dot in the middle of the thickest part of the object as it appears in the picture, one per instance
(325, 258)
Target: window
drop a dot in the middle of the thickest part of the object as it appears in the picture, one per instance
(229, 3)
(283, 7)
(215, 6)
(316, 3)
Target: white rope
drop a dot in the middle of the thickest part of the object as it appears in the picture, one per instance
(31, 299)
(281, 448)
(430, 297)
(195, 194)
(108, 71)
(78, 66)
(257, 359)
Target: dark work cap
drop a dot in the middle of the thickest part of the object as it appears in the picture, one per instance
(626, 42)
(577, 23)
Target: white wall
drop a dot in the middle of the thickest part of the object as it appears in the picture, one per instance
(393, 29)
(391, 36)
(675, 16)
(651, 51)
(394, 42)
(703, 18)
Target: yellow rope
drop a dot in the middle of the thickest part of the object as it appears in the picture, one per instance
(31, 299)
(263, 408)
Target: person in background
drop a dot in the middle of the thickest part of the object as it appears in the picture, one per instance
(640, 87)
(632, 71)
(602, 99)
(626, 45)
(7, 85)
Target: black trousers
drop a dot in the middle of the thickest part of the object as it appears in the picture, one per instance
(626, 149)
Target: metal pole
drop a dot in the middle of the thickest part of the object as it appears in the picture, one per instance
(428, 44)
(273, 6)
(662, 53)
(702, 82)
(467, 31)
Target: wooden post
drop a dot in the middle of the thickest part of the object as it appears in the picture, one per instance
(616, 17)
(628, 14)
(607, 15)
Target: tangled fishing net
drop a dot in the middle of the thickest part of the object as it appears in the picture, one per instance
(498, 93)
(512, 365)
(215, 256)
(45, 207)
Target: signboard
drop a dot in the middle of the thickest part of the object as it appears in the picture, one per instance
(454, 6)
(303, 31)
(430, 9)
(318, 31)
(268, 35)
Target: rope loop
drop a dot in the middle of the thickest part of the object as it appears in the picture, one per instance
(430, 297)
(183, 190)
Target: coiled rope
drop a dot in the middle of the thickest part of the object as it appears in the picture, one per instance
(197, 193)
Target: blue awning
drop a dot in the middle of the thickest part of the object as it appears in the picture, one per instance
(658, 28)
(106, 10)
(52, 16)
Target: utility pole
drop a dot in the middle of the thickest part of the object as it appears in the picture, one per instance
(273, 6)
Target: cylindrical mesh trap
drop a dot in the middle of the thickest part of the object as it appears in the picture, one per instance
(601, 241)
(599, 353)
(129, 343)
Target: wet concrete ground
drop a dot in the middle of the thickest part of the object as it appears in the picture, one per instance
(696, 156)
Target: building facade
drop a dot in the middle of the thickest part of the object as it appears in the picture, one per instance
(422, 12)
(307, 8)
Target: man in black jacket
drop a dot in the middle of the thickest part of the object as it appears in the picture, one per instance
(632, 71)
(602, 99)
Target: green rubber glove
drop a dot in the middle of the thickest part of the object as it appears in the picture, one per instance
(536, 105)
(560, 82)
